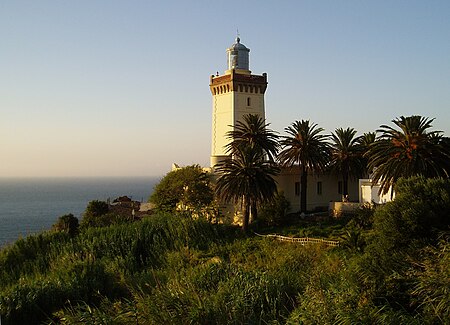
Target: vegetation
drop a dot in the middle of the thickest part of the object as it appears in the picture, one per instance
(306, 146)
(392, 265)
(274, 212)
(67, 223)
(346, 156)
(94, 214)
(365, 141)
(176, 270)
(247, 176)
(413, 150)
(253, 132)
(187, 188)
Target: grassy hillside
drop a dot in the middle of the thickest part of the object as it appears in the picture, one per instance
(390, 269)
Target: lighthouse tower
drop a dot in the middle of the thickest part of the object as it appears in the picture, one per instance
(235, 93)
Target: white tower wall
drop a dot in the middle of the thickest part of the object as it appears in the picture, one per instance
(235, 93)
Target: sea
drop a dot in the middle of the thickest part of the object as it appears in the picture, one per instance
(31, 205)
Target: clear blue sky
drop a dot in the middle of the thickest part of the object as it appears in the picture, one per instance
(120, 88)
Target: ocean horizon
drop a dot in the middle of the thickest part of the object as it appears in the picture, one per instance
(31, 205)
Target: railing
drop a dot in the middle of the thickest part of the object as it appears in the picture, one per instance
(303, 240)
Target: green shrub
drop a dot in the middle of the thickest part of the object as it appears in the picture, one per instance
(176, 270)
(401, 229)
(431, 283)
(92, 216)
(363, 218)
(188, 186)
(67, 223)
(33, 299)
(420, 209)
(30, 255)
(273, 213)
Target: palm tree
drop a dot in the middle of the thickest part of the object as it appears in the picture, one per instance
(247, 176)
(411, 150)
(253, 132)
(307, 147)
(346, 155)
(365, 141)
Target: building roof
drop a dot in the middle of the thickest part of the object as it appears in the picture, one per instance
(238, 46)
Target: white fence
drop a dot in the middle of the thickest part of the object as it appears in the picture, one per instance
(303, 240)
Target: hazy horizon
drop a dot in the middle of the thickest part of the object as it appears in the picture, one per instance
(121, 89)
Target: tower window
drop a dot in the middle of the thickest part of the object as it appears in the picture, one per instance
(340, 187)
(319, 188)
(248, 101)
(297, 188)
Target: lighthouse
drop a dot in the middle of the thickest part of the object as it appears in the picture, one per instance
(235, 93)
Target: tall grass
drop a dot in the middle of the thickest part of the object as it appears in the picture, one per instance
(218, 285)
(29, 255)
(174, 270)
(42, 273)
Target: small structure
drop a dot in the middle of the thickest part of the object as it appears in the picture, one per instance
(124, 205)
(337, 209)
(369, 193)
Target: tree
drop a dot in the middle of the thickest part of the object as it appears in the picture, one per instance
(246, 178)
(247, 175)
(255, 133)
(67, 223)
(408, 151)
(419, 212)
(94, 214)
(273, 212)
(189, 186)
(306, 146)
(346, 155)
(365, 141)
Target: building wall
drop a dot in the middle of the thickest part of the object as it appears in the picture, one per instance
(316, 198)
(369, 193)
(222, 118)
(234, 95)
(256, 106)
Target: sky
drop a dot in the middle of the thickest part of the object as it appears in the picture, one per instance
(121, 88)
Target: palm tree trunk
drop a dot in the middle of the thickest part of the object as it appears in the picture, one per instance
(253, 212)
(303, 186)
(246, 216)
(345, 184)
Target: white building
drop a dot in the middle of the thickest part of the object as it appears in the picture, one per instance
(235, 93)
(369, 193)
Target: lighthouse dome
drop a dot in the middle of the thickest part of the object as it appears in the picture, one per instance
(238, 56)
